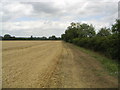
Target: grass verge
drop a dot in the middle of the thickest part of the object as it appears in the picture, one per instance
(110, 65)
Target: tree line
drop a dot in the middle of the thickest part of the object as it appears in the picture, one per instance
(9, 37)
(105, 41)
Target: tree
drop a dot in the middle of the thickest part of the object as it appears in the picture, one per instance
(77, 30)
(73, 25)
(104, 32)
(85, 30)
(104, 42)
(53, 37)
(7, 36)
(31, 37)
(116, 27)
(44, 38)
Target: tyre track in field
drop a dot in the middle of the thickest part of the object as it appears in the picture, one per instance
(91, 72)
(44, 78)
(65, 75)
(79, 70)
(53, 65)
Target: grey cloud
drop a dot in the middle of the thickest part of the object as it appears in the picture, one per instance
(46, 7)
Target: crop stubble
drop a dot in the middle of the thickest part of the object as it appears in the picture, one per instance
(51, 64)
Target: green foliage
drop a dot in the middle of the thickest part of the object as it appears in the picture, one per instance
(105, 41)
(78, 30)
(9, 37)
(53, 37)
(116, 27)
(85, 30)
(104, 32)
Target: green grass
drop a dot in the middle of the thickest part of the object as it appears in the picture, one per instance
(110, 65)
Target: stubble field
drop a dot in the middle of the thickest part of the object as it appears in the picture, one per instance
(51, 64)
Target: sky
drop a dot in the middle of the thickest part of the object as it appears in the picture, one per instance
(52, 17)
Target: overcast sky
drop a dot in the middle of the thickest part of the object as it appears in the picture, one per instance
(51, 17)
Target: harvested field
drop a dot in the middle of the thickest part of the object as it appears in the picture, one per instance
(51, 64)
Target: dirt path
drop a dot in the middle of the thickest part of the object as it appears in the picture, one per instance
(51, 64)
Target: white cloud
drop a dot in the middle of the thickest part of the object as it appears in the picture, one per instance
(16, 9)
(53, 16)
(44, 28)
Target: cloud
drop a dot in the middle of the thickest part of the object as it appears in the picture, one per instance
(15, 10)
(47, 17)
(45, 7)
(38, 28)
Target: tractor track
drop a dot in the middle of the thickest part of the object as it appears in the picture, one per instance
(51, 64)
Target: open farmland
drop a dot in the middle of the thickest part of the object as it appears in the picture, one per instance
(51, 64)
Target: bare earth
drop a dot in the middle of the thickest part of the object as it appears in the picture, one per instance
(51, 64)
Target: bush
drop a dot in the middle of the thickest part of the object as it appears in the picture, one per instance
(105, 42)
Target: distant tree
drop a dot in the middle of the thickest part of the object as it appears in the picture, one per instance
(7, 36)
(31, 36)
(53, 37)
(44, 38)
